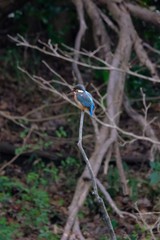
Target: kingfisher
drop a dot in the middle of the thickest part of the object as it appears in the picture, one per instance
(83, 99)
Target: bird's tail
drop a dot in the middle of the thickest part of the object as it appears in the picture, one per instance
(91, 110)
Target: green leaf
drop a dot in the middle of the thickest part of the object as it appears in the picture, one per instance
(155, 177)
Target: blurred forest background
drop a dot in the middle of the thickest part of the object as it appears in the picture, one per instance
(41, 168)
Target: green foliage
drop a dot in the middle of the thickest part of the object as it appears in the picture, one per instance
(113, 181)
(81, 215)
(133, 184)
(24, 133)
(155, 174)
(11, 60)
(69, 165)
(39, 145)
(6, 185)
(44, 15)
(52, 173)
(101, 75)
(8, 231)
(134, 86)
(61, 132)
(22, 149)
(31, 202)
(36, 210)
(90, 203)
(103, 238)
(47, 234)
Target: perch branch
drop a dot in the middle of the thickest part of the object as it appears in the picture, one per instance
(100, 202)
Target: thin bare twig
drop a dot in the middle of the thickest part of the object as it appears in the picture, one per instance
(9, 162)
(142, 121)
(147, 226)
(47, 86)
(53, 51)
(108, 198)
(100, 202)
(18, 155)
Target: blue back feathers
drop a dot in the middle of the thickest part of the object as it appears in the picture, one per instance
(85, 98)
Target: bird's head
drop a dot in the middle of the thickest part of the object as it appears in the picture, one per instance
(79, 88)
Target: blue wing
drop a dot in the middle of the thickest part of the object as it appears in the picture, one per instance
(86, 100)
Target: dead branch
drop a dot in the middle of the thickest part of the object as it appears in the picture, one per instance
(107, 160)
(108, 21)
(80, 11)
(9, 163)
(119, 164)
(18, 155)
(52, 51)
(99, 200)
(100, 34)
(76, 231)
(144, 13)
(49, 87)
(151, 48)
(148, 227)
(143, 56)
(109, 199)
(142, 122)
(117, 81)
(6, 148)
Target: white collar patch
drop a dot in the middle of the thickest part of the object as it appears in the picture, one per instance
(80, 91)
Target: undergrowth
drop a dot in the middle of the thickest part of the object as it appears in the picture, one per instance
(32, 203)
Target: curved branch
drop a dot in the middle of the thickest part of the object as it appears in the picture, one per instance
(78, 40)
(117, 81)
(143, 56)
(101, 37)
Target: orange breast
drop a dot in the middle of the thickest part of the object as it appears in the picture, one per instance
(79, 104)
